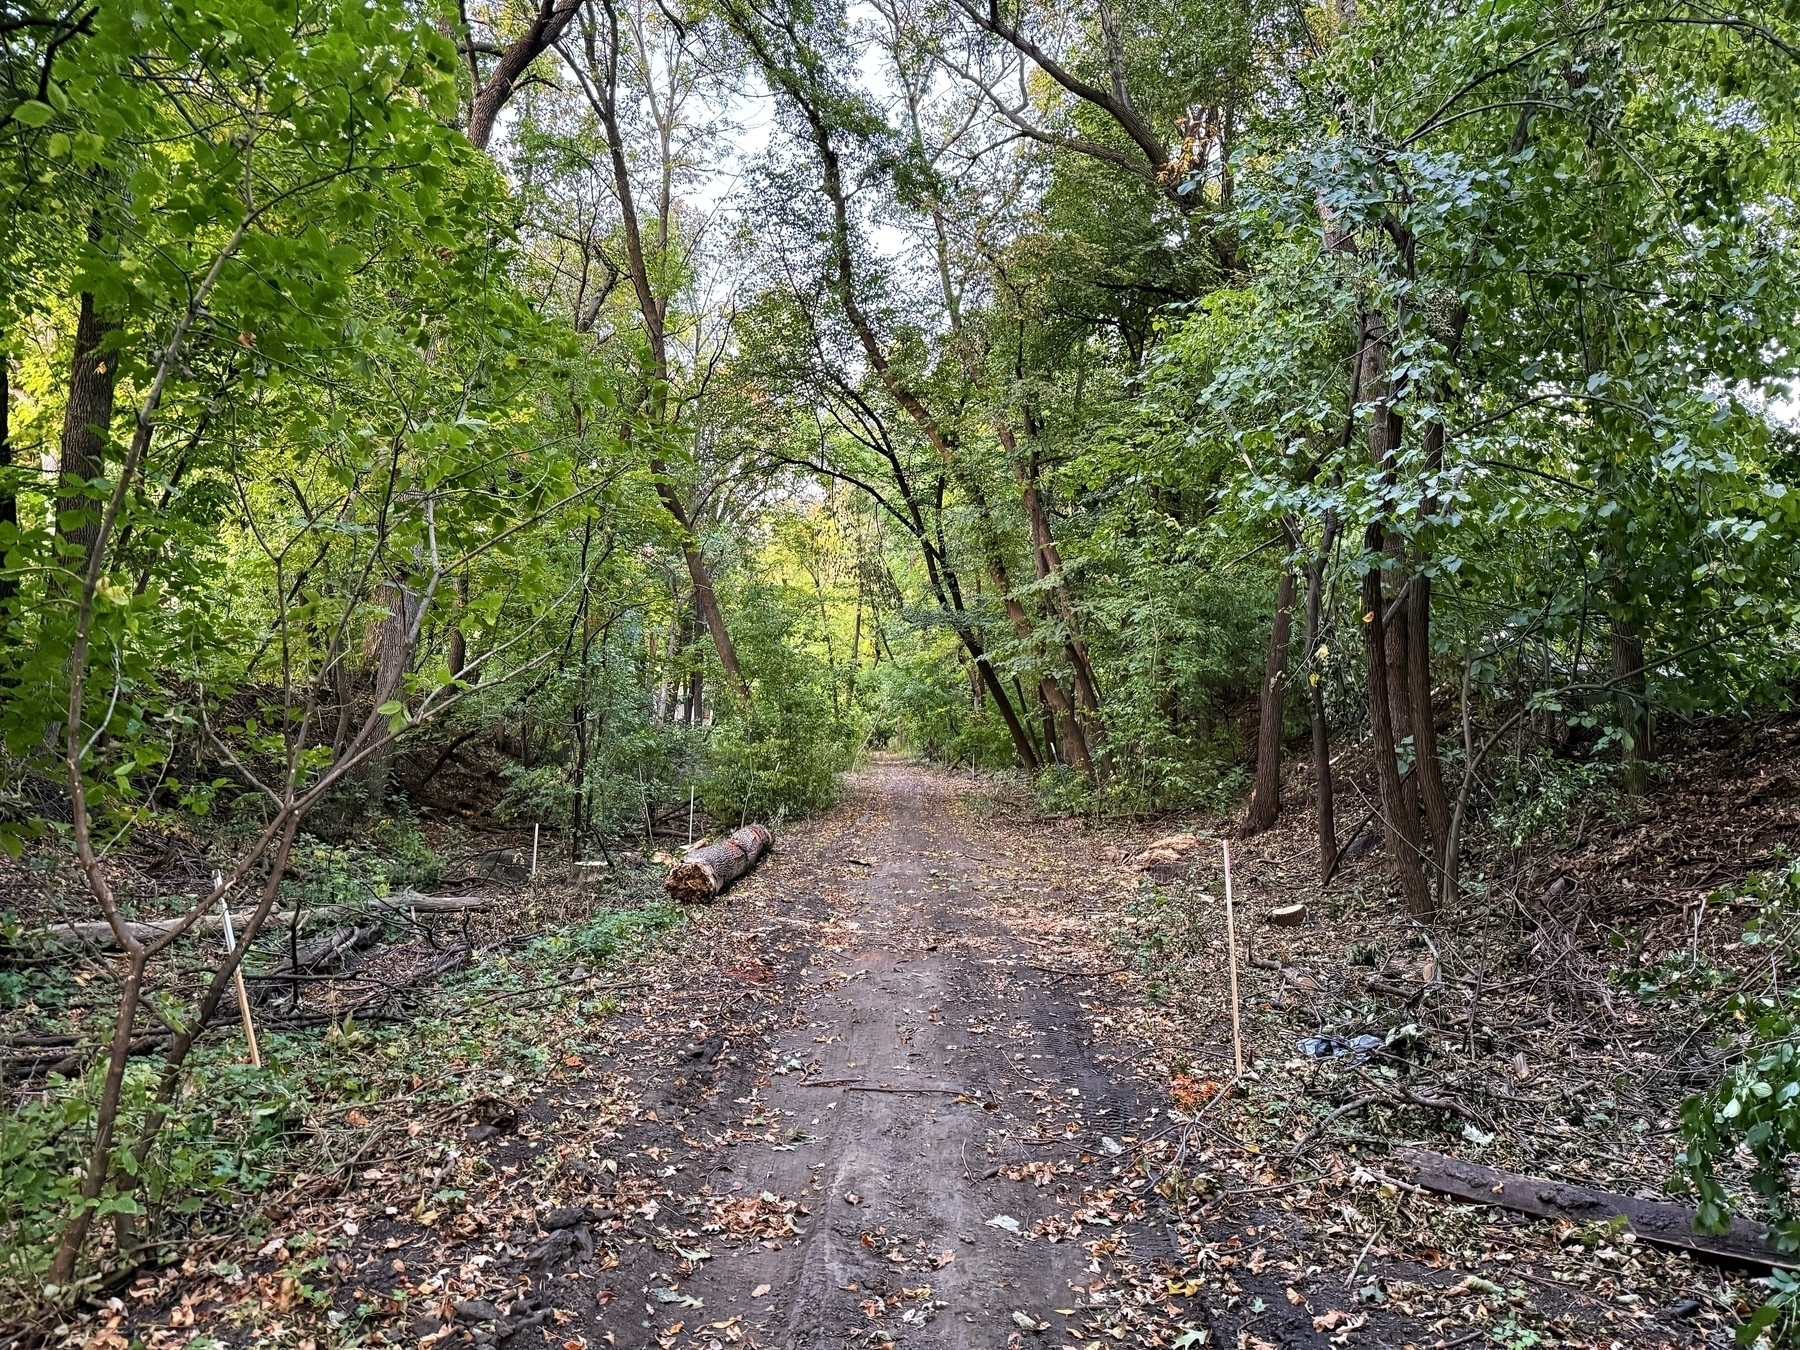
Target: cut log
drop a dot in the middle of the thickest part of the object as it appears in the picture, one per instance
(1657, 1221)
(98, 933)
(328, 948)
(706, 872)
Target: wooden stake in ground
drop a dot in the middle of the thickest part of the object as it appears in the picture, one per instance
(1237, 1029)
(534, 843)
(243, 997)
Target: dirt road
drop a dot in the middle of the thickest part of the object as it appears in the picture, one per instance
(928, 1054)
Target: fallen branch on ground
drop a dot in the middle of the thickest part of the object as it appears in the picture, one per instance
(1657, 1221)
(99, 933)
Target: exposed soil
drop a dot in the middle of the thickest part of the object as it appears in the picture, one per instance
(940, 1074)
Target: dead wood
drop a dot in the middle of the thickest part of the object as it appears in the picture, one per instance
(98, 933)
(1657, 1221)
(326, 949)
(706, 872)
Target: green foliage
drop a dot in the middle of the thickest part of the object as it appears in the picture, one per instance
(1541, 793)
(392, 855)
(609, 939)
(922, 701)
(224, 1144)
(780, 756)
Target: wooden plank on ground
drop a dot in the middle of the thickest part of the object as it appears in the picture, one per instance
(1662, 1222)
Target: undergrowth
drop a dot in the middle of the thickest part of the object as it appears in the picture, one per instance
(241, 1136)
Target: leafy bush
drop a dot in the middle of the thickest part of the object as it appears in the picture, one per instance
(612, 936)
(1061, 791)
(390, 854)
(1542, 794)
(922, 701)
(780, 755)
(223, 1143)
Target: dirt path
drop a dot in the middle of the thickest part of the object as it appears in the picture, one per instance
(922, 1057)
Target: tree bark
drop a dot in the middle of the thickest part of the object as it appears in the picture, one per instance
(1398, 642)
(1265, 794)
(1324, 808)
(1059, 712)
(1400, 828)
(1432, 795)
(1050, 568)
(706, 872)
(1399, 800)
(9, 493)
(87, 418)
(394, 657)
(1634, 709)
(1015, 728)
(492, 94)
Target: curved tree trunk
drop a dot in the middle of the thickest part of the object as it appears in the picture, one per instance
(493, 93)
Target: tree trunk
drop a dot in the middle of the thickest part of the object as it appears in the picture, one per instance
(1400, 827)
(1059, 712)
(1015, 728)
(706, 872)
(1265, 795)
(1424, 718)
(87, 419)
(547, 25)
(394, 656)
(1387, 664)
(601, 86)
(1050, 568)
(708, 602)
(9, 493)
(1634, 708)
(1398, 647)
(1324, 808)
(456, 657)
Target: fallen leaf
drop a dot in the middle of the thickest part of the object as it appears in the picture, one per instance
(761, 1291)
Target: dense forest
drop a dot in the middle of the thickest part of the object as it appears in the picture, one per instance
(554, 424)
